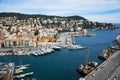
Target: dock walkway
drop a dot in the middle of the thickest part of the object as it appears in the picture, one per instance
(108, 70)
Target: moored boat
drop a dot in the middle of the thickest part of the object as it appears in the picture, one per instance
(81, 78)
(106, 54)
(115, 47)
(23, 67)
(20, 76)
(23, 75)
(18, 71)
(86, 69)
(26, 65)
(75, 47)
(56, 48)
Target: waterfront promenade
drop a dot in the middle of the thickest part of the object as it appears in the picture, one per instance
(108, 70)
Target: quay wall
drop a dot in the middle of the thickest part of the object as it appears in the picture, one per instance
(106, 69)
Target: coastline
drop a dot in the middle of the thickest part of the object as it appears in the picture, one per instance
(64, 61)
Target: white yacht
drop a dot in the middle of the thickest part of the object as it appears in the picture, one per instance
(81, 78)
(43, 50)
(23, 67)
(75, 47)
(56, 47)
(48, 50)
(18, 71)
(23, 75)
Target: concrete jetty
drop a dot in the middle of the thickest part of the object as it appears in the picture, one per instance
(6, 71)
(65, 39)
(108, 70)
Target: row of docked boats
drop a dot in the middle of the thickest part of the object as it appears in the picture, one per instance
(34, 51)
(40, 50)
(43, 50)
(19, 69)
(5, 53)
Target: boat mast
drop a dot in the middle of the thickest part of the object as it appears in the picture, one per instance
(87, 57)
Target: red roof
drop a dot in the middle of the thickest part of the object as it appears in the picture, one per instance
(3, 38)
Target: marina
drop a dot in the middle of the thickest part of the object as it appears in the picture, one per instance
(19, 71)
(30, 51)
(60, 40)
(65, 61)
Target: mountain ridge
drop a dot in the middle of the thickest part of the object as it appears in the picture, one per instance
(11, 14)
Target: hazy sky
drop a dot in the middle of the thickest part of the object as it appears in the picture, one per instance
(94, 10)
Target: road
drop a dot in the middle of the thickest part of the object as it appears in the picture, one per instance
(108, 70)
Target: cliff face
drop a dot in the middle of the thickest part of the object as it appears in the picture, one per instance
(11, 19)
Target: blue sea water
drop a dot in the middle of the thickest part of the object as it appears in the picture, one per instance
(62, 65)
(117, 24)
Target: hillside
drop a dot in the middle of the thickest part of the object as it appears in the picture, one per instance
(12, 19)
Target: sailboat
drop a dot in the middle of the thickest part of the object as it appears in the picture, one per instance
(88, 66)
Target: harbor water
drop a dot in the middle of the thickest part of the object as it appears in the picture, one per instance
(62, 64)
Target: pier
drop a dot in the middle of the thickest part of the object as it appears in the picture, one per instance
(65, 39)
(6, 71)
(108, 70)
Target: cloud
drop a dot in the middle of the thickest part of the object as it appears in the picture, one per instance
(88, 8)
(113, 18)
